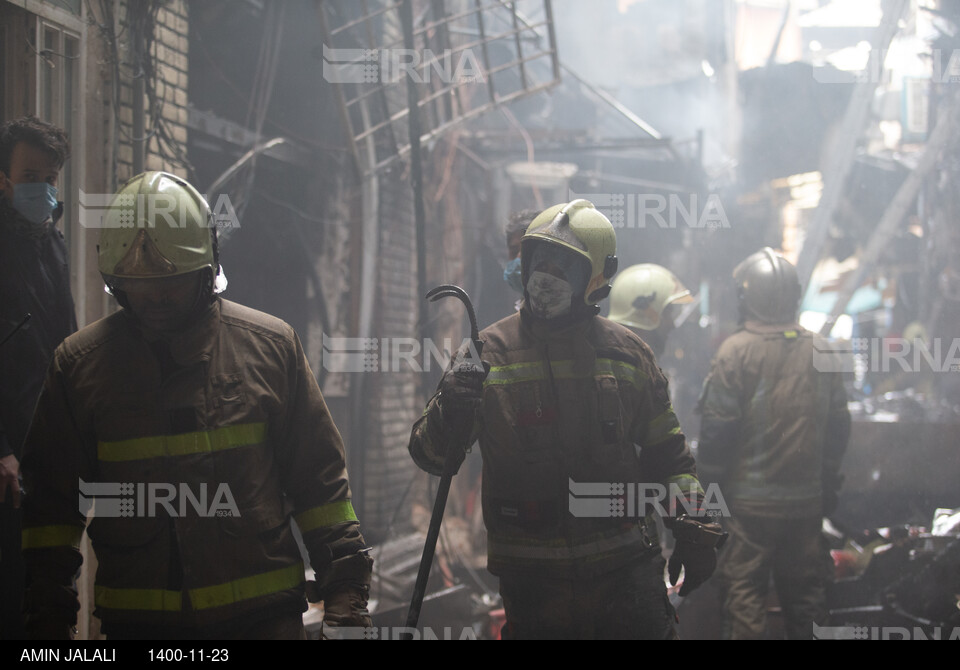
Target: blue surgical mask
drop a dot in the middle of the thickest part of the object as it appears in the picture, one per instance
(35, 201)
(511, 275)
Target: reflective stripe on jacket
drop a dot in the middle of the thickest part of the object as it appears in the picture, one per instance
(198, 454)
(584, 403)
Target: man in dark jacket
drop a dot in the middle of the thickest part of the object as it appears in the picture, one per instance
(774, 432)
(34, 281)
(201, 430)
(567, 398)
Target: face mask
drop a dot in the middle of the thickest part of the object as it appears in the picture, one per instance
(511, 275)
(574, 268)
(35, 201)
(549, 296)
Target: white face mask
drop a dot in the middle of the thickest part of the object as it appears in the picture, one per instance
(550, 296)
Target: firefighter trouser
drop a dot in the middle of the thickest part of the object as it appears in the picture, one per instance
(11, 574)
(794, 553)
(280, 627)
(627, 604)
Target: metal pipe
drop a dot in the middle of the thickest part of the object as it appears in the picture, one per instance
(243, 160)
(416, 169)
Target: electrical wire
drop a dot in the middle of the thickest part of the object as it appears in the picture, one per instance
(261, 92)
(141, 23)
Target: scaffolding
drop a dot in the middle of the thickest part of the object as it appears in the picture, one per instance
(461, 59)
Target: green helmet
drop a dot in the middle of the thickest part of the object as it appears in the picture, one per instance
(157, 225)
(641, 293)
(582, 228)
(768, 287)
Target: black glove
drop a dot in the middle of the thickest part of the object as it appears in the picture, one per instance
(695, 552)
(461, 390)
(50, 611)
(698, 562)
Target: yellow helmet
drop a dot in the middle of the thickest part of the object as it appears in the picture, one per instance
(641, 293)
(582, 228)
(157, 225)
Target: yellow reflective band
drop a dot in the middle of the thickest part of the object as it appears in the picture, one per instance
(684, 482)
(159, 600)
(247, 588)
(153, 600)
(664, 422)
(45, 537)
(184, 444)
(791, 334)
(516, 372)
(662, 438)
(525, 372)
(624, 372)
(663, 427)
(325, 515)
(537, 549)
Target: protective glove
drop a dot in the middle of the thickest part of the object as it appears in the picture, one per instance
(695, 552)
(49, 629)
(50, 612)
(461, 390)
(698, 562)
(347, 606)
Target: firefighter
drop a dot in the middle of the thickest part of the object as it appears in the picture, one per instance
(202, 428)
(773, 434)
(34, 281)
(641, 298)
(565, 397)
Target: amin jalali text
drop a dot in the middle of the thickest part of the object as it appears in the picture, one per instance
(166, 654)
(76, 654)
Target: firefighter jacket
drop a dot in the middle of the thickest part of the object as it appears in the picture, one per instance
(200, 451)
(574, 422)
(775, 422)
(35, 280)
